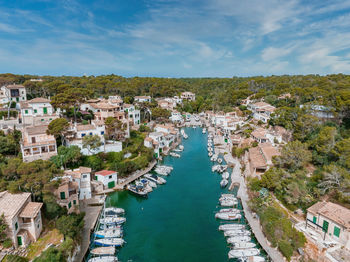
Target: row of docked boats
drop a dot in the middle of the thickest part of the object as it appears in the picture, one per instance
(108, 236)
(237, 235)
(148, 182)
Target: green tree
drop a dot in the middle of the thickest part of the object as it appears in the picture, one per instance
(57, 128)
(294, 156)
(71, 225)
(51, 254)
(67, 156)
(91, 143)
(3, 229)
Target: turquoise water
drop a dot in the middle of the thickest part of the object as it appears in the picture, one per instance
(176, 222)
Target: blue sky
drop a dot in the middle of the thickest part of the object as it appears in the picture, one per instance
(170, 38)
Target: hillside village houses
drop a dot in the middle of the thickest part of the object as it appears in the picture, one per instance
(77, 132)
(188, 96)
(36, 144)
(82, 176)
(261, 111)
(22, 216)
(67, 194)
(330, 220)
(12, 93)
(37, 111)
(176, 117)
(273, 135)
(108, 178)
(259, 159)
(143, 99)
(226, 122)
(133, 114)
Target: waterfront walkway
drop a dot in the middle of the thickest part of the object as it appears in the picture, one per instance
(238, 179)
(135, 176)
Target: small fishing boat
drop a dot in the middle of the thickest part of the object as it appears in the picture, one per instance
(228, 216)
(174, 154)
(181, 147)
(137, 190)
(151, 183)
(228, 198)
(214, 158)
(237, 232)
(109, 242)
(113, 211)
(231, 227)
(215, 168)
(155, 178)
(243, 252)
(210, 154)
(243, 245)
(144, 184)
(108, 233)
(225, 175)
(229, 210)
(223, 183)
(204, 130)
(102, 251)
(112, 220)
(103, 259)
(233, 240)
(252, 259)
(219, 160)
(228, 195)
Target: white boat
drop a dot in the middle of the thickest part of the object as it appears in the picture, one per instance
(161, 172)
(214, 158)
(238, 232)
(210, 154)
(112, 220)
(210, 149)
(228, 216)
(204, 130)
(156, 179)
(151, 183)
(109, 242)
(219, 160)
(231, 227)
(243, 245)
(225, 175)
(243, 252)
(214, 168)
(112, 211)
(227, 198)
(137, 189)
(103, 259)
(181, 147)
(228, 195)
(174, 154)
(252, 259)
(228, 203)
(145, 185)
(102, 251)
(233, 240)
(108, 233)
(223, 182)
(229, 210)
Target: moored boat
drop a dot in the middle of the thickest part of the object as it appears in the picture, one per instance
(236, 253)
(243, 245)
(223, 182)
(225, 175)
(151, 183)
(112, 211)
(237, 232)
(156, 179)
(103, 259)
(102, 251)
(228, 216)
(109, 242)
(230, 210)
(174, 154)
(112, 220)
(108, 233)
(225, 227)
(137, 190)
(233, 240)
(252, 259)
(219, 160)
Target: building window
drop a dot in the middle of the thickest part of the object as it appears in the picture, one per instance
(26, 112)
(74, 202)
(336, 231)
(96, 178)
(35, 111)
(82, 135)
(63, 195)
(102, 132)
(84, 176)
(110, 177)
(69, 205)
(16, 226)
(314, 219)
(90, 133)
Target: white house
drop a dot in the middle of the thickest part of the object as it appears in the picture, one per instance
(82, 176)
(108, 178)
(134, 114)
(331, 220)
(261, 111)
(188, 96)
(36, 144)
(155, 140)
(12, 93)
(22, 216)
(37, 111)
(142, 99)
(176, 117)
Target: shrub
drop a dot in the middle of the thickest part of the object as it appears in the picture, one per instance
(286, 248)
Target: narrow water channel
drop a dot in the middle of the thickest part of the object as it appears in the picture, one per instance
(176, 222)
